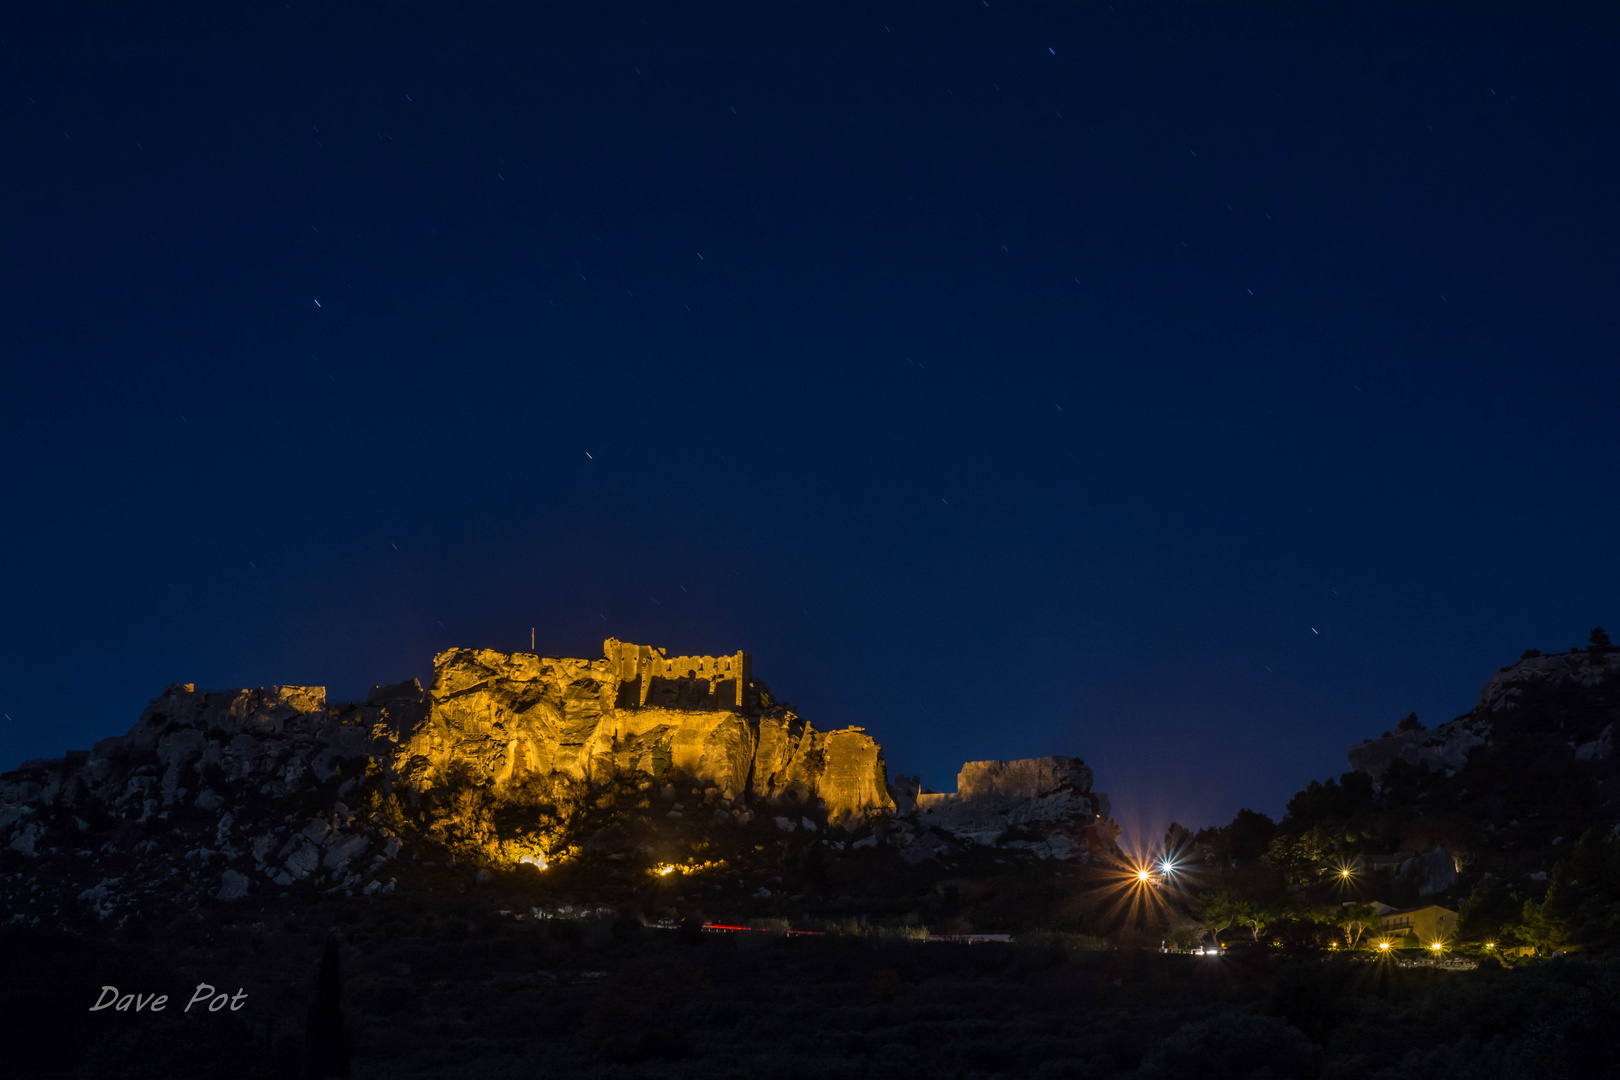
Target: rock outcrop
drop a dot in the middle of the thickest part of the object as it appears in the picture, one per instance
(208, 777)
(1434, 871)
(500, 718)
(1044, 806)
(1446, 747)
(1443, 749)
(1585, 668)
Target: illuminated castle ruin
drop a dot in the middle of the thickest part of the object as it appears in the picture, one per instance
(650, 680)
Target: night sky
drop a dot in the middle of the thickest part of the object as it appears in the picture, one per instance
(1195, 389)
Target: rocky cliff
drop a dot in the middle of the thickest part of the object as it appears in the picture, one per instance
(627, 762)
(503, 718)
(502, 761)
(1536, 677)
(1044, 806)
(1446, 748)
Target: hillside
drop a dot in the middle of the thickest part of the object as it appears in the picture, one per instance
(646, 866)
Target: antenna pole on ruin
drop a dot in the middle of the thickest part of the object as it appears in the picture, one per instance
(531, 639)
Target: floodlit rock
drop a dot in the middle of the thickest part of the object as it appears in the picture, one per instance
(1042, 805)
(505, 717)
(232, 886)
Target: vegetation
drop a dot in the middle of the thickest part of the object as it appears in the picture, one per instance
(509, 998)
(1507, 819)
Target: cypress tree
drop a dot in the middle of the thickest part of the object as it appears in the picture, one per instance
(324, 1053)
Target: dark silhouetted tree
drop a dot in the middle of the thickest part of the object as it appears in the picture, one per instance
(1411, 723)
(1245, 838)
(1600, 640)
(324, 1053)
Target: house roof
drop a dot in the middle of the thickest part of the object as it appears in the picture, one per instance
(1415, 910)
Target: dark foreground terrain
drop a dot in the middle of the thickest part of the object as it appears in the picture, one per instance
(493, 996)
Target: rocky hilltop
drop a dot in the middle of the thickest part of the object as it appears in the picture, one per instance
(1041, 805)
(637, 758)
(502, 718)
(1536, 678)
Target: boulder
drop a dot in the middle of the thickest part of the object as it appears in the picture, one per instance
(1599, 749)
(342, 849)
(301, 863)
(27, 837)
(261, 847)
(232, 886)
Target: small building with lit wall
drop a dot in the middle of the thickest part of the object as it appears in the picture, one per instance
(1430, 923)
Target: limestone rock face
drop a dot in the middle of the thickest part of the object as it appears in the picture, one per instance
(499, 718)
(1583, 668)
(1446, 747)
(1041, 805)
(1435, 871)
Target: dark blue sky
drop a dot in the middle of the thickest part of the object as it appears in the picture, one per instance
(1194, 389)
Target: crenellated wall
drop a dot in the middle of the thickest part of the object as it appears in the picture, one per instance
(699, 683)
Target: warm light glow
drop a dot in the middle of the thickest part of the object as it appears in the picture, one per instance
(536, 861)
(1383, 945)
(1345, 872)
(1490, 944)
(1138, 891)
(666, 869)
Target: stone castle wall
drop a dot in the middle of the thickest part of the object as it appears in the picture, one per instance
(701, 683)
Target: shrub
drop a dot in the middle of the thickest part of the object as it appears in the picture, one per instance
(1232, 1046)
